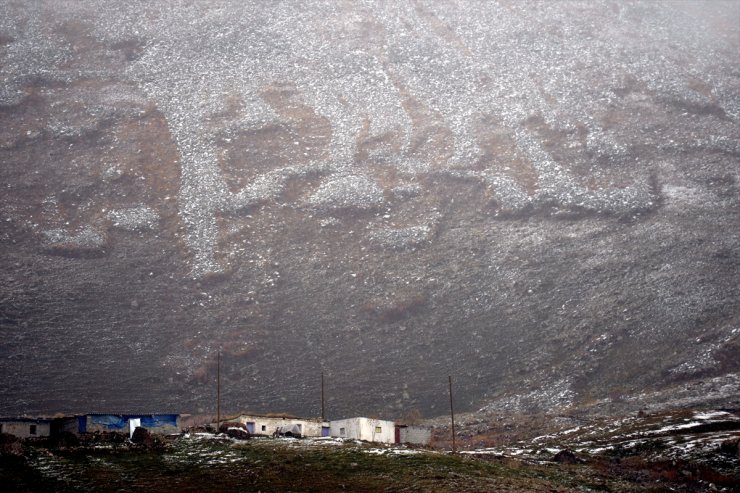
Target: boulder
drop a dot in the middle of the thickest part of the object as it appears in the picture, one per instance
(65, 439)
(238, 433)
(730, 447)
(10, 445)
(566, 456)
(234, 429)
(142, 436)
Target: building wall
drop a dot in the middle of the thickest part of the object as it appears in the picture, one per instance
(70, 425)
(161, 423)
(105, 422)
(22, 429)
(313, 428)
(416, 435)
(368, 429)
(265, 425)
(346, 428)
(156, 423)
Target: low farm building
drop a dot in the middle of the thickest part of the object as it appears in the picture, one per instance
(26, 427)
(367, 429)
(270, 424)
(414, 435)
(126, 423)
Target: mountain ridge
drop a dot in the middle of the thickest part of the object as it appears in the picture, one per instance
(538, 199)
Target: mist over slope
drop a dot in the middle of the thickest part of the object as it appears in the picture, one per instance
(538, 198)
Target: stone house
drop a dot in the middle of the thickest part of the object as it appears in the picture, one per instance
(281, 424)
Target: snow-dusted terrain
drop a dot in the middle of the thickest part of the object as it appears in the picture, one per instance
(539, 198)
(688, 440)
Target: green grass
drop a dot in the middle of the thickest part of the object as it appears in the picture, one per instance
(276, 466)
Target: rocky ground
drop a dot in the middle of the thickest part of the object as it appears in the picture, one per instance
(681, 435)
(538, 198)
(685, 451)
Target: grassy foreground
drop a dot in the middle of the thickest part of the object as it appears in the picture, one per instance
(197, 464)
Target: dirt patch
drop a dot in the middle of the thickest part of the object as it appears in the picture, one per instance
(698, 108)
(396, 308)
(431, 140)
(500, 154)
(147, 150)
(79, 36)
(254, 152)
(369, 145)
(568, 149)
(130, 49)
(302, 136)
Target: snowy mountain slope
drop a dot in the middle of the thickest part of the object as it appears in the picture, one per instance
(539, 198)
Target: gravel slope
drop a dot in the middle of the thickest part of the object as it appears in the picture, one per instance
(538, 198)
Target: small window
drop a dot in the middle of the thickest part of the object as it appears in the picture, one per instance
(378, 429)
(342, 432)
(264, 427)
(32, 429)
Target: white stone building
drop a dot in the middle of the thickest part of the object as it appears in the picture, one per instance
(26, 427)
(269, 425)
(368, 429)
(414, 435)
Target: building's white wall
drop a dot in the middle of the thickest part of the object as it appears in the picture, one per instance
(309, 428)
(346, 428)
(92, 427)
(378, 430)
(313, 428)
(416, 435)
(22, 429)
(364, 429)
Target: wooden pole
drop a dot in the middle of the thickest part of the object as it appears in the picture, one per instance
(452, 415)
(323, 417)
(218, 392)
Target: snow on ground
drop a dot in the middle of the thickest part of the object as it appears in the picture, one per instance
(711, 415)
(659, 437)
(197, 58)
(394, 451)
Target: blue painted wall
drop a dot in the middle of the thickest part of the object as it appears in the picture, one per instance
(119, 422)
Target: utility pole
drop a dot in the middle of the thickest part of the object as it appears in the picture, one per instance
(323, 417)
(218, 391)
(452, 415)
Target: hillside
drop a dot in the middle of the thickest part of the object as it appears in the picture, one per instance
(538, 198)
(197, 463)
(684, 452)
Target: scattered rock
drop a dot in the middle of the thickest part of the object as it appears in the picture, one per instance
(347, 192)
(566, 456)
(142, 436)
(730, 447)
(134, 218)
(66, 439)
(238, 434)
(10, 445)
(403, 238)
(235, 430)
